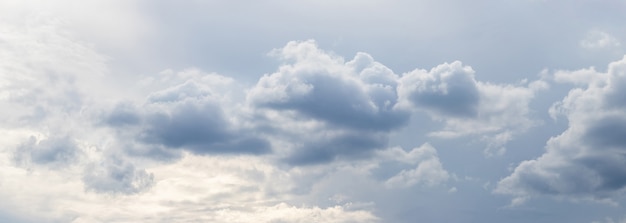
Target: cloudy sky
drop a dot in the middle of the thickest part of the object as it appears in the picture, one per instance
(312, 111)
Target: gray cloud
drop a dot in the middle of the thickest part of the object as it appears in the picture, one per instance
(450, 93)
(428, 170)
(606, 133)
(115, 175)
(346, 146)
(503, 40)
(448, 89)
(358, 94)
(122, 114)
(340, 103)
(188, 116)
(54, 151)
(587, 160)
(324, 108)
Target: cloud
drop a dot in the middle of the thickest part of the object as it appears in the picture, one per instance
(53, 151)
(327, 148)
(334, 100)
(597, 39)
(115, 175)
(447, 90)
(450, 93)
(88, 137)
(587, 160)
(580, 77)
(428, 171)
(41, 63)
(192, 115)
(112, 189)
(357, 94)
(327, 108)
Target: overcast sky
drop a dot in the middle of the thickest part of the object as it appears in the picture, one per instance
(313, 111)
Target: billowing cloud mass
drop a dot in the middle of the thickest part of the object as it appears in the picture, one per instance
(450, 93)
(191, 116)
(336, 108)
(345, 111)
(587, 160)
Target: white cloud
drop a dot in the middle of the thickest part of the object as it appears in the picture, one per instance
(239, 189)
(41, 64)
(450, 93)
(586, 161)
(581, 77)
(428, 171)
(597, 39)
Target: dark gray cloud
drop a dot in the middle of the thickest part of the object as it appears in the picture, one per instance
(588, 160)
(609, 169)
(115, 175)
(341, 103)
(606, 133)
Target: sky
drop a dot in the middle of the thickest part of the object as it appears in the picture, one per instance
(312, 111)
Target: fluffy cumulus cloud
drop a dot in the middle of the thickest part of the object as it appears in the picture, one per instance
(450, 93)
(93, 132)
(334, 108)
(351, 106)
(84, 150)
(447, 90)
(192, 115)
(586, 161)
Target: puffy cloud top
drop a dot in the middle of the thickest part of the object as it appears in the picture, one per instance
(587, 160)
(358, 94)
(448, 89)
